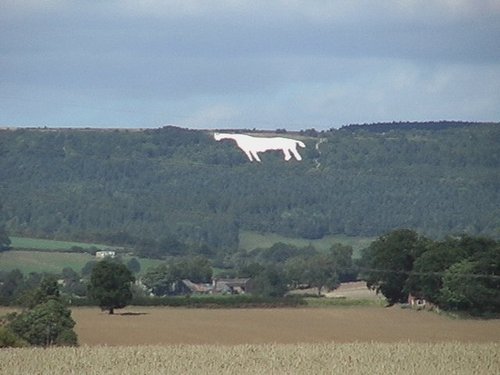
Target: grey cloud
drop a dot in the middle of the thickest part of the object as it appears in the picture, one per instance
(230, 60)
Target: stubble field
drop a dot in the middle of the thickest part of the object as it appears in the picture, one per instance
(175, 326)
(354, 340)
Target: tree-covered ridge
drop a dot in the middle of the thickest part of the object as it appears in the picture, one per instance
(123, 185)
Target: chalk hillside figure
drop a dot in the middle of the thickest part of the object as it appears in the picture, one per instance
(251, 146)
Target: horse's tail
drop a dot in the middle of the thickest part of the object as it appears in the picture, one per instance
(301, 144)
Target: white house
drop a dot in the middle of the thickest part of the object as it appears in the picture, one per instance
(105, 253)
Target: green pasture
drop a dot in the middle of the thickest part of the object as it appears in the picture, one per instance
(53, 262)
(252, 240)
(37, 261)
(42, 244)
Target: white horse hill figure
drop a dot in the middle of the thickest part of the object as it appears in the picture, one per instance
(251, 146)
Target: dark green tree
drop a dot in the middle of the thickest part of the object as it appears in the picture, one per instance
(11, 286)
(110, 284)
(427, 277)
(389, 260)
(158, 279)
(9, 339)
(47, 290)
(321, 272)
(72, 283)
(473, 284)
(271, 282)
(133, 265)
(88, 268)
(46, 321)
(46, 324)
(342, 254)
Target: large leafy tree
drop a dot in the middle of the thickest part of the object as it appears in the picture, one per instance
(473, 284)
(47, 320)
(389, 260)
(46, 324)
(110, 285)
(430, 267)
(271, 282)
(319, 271)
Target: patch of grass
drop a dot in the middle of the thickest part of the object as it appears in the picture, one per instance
(251, 240)
(336, 302)
(36, 261)
(54, 262)
(43, 244)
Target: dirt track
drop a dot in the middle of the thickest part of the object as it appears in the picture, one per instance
(166, 326)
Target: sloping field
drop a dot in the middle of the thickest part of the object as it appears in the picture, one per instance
(43, 244)
(352, 359)
(54, 262)
(35, 261)
(174, 326)
(249, 240)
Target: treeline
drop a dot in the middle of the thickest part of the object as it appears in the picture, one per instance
(457, 273)
(124, 186)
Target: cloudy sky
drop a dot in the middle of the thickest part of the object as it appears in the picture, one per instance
(253, 64)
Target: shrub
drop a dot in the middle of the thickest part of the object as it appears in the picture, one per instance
(9, 339)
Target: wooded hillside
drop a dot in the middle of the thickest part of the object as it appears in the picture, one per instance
(119, 185)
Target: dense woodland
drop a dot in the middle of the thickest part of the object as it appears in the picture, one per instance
(181, 186)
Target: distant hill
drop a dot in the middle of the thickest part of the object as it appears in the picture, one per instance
(119, 185)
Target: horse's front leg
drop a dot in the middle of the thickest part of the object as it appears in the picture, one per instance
(286, 152)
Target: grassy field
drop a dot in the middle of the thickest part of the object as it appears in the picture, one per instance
(252, 240)
(328, 358)
(42, 244)
(35, 261)
(53, 262)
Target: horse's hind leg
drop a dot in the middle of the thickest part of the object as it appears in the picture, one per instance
(296, 154)
(255, 155)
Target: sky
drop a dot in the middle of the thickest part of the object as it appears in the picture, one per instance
(247, 64)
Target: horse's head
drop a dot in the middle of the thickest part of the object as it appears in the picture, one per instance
(218, 136)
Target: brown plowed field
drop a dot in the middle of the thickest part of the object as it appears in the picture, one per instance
(167, 326)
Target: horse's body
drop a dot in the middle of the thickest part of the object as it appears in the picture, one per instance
(251, 146)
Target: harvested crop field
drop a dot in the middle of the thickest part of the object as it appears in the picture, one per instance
(175, 326)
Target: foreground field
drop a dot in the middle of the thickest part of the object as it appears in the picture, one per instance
(174, 326)
(331, 358)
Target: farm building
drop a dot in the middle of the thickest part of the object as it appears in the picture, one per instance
(105, 254)
(188, 287)
(232, 286)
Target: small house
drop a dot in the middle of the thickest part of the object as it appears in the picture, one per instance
(105, 254)
(232, 286)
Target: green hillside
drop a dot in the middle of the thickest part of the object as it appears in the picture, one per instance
(118, 186)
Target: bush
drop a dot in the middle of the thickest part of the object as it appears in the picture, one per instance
(9, 340)
(67, 337)
(44, 325)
